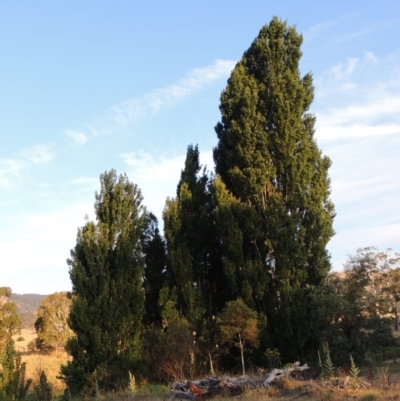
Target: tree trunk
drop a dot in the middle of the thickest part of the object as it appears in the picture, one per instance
(212, 373)
(241, 354)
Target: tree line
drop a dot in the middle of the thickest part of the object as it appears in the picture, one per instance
(241, 274)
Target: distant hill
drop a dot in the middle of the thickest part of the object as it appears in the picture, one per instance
(27, 306)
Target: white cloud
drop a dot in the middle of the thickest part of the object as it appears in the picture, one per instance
(78, 137)
(158, 177)
(84, 180)
(44, 237)
(9, 168)
(38, 154)
(334, 132)
(130, 111)
(358, 127)
(365, 95)
(317, 30)
(12, 168)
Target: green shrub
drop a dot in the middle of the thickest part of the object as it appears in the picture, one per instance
(20, 339)
(13, 385)
(369, 396)
(43, 391)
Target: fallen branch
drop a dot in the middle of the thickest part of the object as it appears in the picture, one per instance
(230, 386)
(277, 374)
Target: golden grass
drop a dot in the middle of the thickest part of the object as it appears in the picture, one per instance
(36, 362)
(28, 335)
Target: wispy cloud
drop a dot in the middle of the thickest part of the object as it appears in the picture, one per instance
(38, 154)
(12, 167)
(9, 168)
(365, 104)
(157, 177)
(78, 137)
(358, 127)
(325, 26)
(130, 111)
(84, 181)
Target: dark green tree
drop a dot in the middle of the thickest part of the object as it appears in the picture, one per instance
(194, 267)
(272, 199)
(155, 274)
(106, 270)
(10, 321)
(195, 271)
(13, 385)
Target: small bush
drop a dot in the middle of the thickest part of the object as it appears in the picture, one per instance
(32, 346)
(272, 359)
(369, 396)
(154, 389)
(20, 339)
(43, 390)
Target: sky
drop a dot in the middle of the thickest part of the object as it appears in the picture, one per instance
(90, 86)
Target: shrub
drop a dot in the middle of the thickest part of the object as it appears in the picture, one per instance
(43, 391)
(369, 396)
(20, 339)
(13, 385)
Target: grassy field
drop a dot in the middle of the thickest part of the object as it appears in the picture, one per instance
(35, 362)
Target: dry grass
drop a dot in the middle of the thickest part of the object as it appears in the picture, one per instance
(28, 335)
(35, 362)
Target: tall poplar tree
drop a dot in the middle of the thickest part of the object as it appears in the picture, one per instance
(272, 195)
(194, 266)
(106, 270)
(195, 272)
(155, 274)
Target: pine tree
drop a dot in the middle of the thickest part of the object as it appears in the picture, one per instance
(106, 270)
(155, 275)
(272, 197)
(194, 266)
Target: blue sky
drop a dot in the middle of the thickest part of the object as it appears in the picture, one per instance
(90, 86)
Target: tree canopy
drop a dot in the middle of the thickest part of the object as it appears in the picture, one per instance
(51, 325)
(272, 196)
(9, 319)
(106, 270)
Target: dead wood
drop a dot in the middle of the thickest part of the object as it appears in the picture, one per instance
(211, 387)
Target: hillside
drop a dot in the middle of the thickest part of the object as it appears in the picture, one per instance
(27, 306)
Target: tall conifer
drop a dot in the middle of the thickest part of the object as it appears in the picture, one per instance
(273, 208)
(193, 250)
(106, 270)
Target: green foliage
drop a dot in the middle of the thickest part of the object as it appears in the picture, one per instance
(155, 276)
(354, 372)
(20, 339)
(170, 353)
(51, 325)
(272, 359)
(13, 386)
(239, 326)
(194, 265)
(350, 309)
(106, 270)
(43, 390)
(327, 367)
(272, 203)
(132, 383)
(369, 396)
(9, 319)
